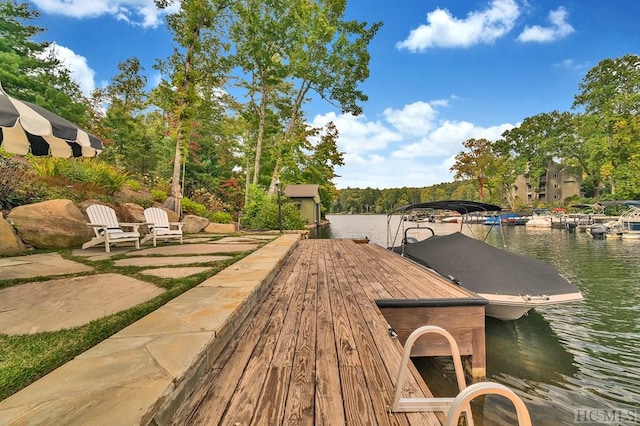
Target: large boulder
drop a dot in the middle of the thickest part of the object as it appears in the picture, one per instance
(173, 216)
(10, 244)
(194, 224)
(220, 228)
(131, 212)
(51, 224)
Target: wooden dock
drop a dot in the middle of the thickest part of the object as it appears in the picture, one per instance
(318, 350)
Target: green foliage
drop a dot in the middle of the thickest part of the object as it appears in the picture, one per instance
(102, 176)
(16, 184)
(133, 184)
(30, 70)
(193, 207)
(159, 195)
(262, 212)
(221, 217)
(196, 207)
(210, 201)
(609, 127)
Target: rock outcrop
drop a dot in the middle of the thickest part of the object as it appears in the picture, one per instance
(10, 244)
(220, 228)
(131, 213)
(51, 224)
(194, 224)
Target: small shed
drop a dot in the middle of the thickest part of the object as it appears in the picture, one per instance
(307, 198)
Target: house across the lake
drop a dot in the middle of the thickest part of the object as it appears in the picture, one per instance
(307, 198)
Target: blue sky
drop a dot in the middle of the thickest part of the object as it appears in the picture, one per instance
(441, 71)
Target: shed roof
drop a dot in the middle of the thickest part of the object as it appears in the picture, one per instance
(302, 191)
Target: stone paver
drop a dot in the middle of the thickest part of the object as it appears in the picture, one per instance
(64, 303)
(243, 239)
(98, 253)
(176, 272)
(193, 240)
(143, 373)
(262, 236)
(176, 260)
(193, 249)
(38, 265)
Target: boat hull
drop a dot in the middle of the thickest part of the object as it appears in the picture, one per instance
(508, 308)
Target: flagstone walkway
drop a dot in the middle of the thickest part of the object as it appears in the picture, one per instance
(70, 302)
(142, 373)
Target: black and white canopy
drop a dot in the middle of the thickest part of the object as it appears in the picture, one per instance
(28, 128)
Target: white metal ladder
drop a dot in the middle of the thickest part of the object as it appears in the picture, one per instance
(462, 402)
(429, 404)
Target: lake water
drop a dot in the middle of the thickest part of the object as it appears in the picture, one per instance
(576, 363)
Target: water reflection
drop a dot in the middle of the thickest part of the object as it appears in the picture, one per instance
(561, 358)
(528, 349)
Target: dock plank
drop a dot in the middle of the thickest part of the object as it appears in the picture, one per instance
(208, 404)
(301, 397)
(328, 389)
(317, 350)
(388, 351)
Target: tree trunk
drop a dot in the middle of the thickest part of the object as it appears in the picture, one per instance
(480, 188)
(263, 109)
(176, 192)
(304, 89)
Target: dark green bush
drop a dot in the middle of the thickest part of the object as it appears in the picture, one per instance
(262, 212)
(159, 195)
(221, 217)
(16, 184)
(194, 208)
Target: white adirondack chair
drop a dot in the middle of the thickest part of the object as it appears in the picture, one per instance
(107, 228)
(159, 226)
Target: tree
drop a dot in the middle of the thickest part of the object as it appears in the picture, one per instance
(321, 163)
(474, 163)
(290, 48)
(31, 70)
(129, 143)
(199, 64)
(261, 32)
(610, 97)
(329, 56)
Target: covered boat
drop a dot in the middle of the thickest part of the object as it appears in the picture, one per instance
(512, 283)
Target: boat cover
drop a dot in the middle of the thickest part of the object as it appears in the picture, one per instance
(460, 206)
(482, 268)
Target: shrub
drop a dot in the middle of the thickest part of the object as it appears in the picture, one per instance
(262, 212)
(221, 217)
(210, 201)
(159, 195)
(192, 207)
(108, 178)
(16, 184)
(134, 184)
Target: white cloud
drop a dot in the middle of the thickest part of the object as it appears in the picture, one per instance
(570, 64)
(447, 139)
(136, 12)
(414, 119)
(408, 148)
(357, 134)
(559, 28)
(444, 30)
(81, 73)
